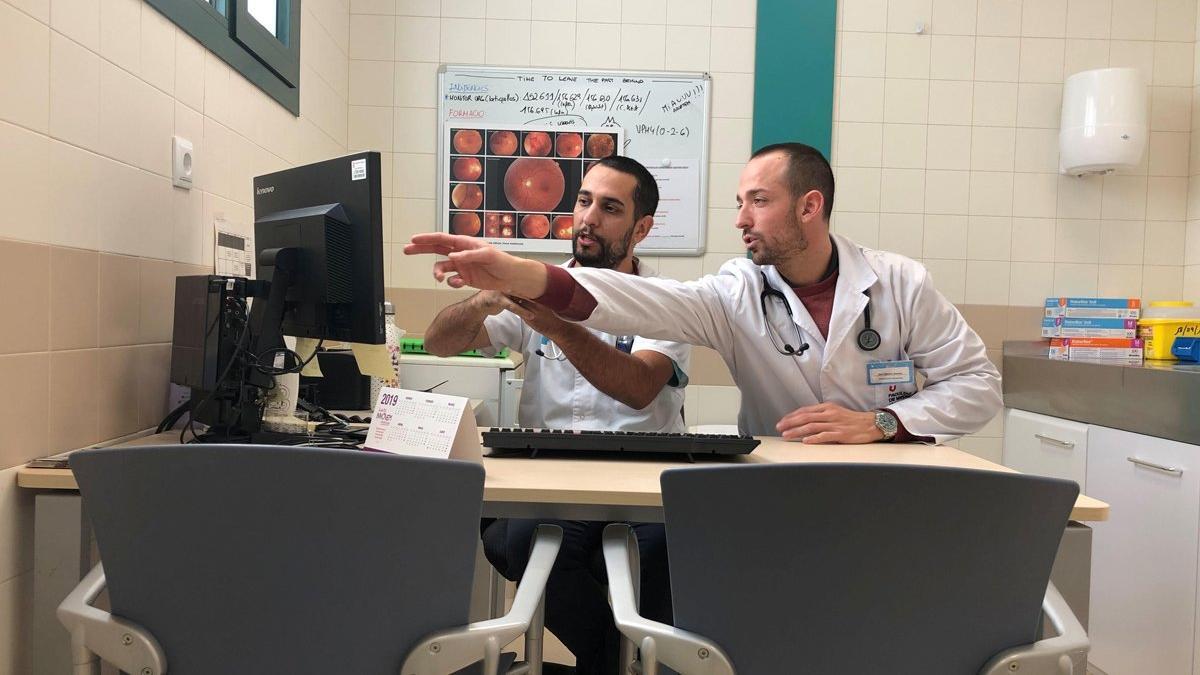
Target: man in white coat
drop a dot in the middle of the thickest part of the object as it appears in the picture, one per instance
(824, 337)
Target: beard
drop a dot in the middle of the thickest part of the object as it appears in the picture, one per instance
(791, 243)
(608, 254)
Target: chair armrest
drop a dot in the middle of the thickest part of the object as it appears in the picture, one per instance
(681, 650)
(456, 648)
(122, 643)
(1051, 656)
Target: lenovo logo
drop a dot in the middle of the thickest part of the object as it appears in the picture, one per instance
(265, 190)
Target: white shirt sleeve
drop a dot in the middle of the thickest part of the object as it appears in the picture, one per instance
(506, 330)
(679, 353)
(694, 312)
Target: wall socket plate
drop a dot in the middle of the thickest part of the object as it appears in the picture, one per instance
(182, 162)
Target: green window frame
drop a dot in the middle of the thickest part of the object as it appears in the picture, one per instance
(268, 58)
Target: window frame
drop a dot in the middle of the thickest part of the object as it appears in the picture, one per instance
(238, 40)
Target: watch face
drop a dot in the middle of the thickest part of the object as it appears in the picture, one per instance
(886, 423)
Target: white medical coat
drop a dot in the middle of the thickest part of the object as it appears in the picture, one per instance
(556, 396)
(961, 390)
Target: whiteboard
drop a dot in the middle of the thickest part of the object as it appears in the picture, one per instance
(660, 118)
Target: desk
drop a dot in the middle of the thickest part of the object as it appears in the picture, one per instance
(587, 489)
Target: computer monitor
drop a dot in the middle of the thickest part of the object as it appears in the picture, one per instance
(329, 216)
(319, 250)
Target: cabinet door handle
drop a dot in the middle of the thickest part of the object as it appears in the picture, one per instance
(1054, 441)
(1174, 471)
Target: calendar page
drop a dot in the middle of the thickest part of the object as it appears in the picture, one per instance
(423, 424)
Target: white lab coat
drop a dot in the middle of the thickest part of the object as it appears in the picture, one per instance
(556, 396)
(961, 390)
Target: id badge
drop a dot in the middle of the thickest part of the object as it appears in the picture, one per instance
(890, 372)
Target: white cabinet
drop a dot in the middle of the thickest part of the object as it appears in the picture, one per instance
(1046, 446)
(1144, 559)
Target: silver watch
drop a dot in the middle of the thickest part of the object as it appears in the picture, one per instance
(887, 423)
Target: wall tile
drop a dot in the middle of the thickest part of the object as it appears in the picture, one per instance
(860, 99)
(1077, 241)
(860, 191)
(1033, 239)
(1124, 198)
(906, 101)
(25, 273)
(945, 237)
(601, 12)
(374, 37)
(902, 191)
(1168, 153)
(1044, 18)
(949, 278)
(24, 409)
(859, 227)
(468, 9)
(1042, 59)
(1170, 109)
(74, 421)
(157, 50)
(1131, 21)
(1173, 63)
(733, 95)
(1175, 20)
(78, 20)
(655, 11)
(904, 146)
(1039, 105)
(120, 32)
(156, 302)
(24, 69)
(555, 46)
(904, 14)
(153, 377)
(902, 233)
(72, 219)
(118, 301)
(385, 7)
(563, 10)
(862, 54)
(989, 237)
(597, 45)
(116, 391)
(73, 298)
(952, 57)
(1166, 198)
(733, 50)
(907, 55)
(859, 15)
(1075, 279)
(370, 128)
(948, 147)
(1089, 18)
(999, 17)
(24, 183)
(992, 148)
(987, 282)
(506, 43)
(947, 192)
(1030, 283)
(994, 104)
(1131, 54)
(1165, 243)
(1084, 55)
(1121, 281)
(1162, 282)
(74, 93)
(687, 47)
(1035, 195)
(1122, 242)
(189, 71)
(416, 85)
(991, 193)
(415, 130)
(644, 46)
(997, 59)
(730, 140)
(1079, 197)
(955, 17)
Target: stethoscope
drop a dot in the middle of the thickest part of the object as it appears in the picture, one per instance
(868, 338)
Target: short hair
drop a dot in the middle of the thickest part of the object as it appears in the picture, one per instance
(645, 189)
(807, 170)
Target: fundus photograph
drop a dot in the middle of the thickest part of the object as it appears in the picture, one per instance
(519, 184)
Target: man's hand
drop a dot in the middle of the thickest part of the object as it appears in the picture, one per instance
(829, 423)
(472, 262)
(541, 319)
(492, 302)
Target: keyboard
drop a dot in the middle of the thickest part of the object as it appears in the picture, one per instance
(534, 440)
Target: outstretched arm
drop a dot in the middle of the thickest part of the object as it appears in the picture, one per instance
(471, 262)
(633, 379)
(459, 327)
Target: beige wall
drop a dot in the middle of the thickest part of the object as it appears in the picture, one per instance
(92, 231)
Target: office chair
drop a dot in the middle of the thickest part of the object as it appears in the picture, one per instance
(849, 569)
(258, 559)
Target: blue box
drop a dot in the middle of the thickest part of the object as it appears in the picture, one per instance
(1065, 326)
(1095, 308)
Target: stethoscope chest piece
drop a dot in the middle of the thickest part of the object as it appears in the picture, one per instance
(868, 339)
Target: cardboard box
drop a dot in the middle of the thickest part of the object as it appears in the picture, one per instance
(1075, 327)
(1094, 308)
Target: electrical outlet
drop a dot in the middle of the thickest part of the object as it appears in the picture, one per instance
(182, 162)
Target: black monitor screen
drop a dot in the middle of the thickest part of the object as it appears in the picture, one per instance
(331, 212)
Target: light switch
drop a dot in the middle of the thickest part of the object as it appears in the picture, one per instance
(182, 162)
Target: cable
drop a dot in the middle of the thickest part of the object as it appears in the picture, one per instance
(233, 359)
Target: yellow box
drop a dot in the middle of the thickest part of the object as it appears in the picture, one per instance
(1159, 334)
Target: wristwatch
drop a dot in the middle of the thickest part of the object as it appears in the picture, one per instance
(887, 423)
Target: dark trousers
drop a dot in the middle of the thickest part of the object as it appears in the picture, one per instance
(577, 609)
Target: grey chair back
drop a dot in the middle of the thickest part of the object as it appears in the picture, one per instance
(260, 559)
(854, 569)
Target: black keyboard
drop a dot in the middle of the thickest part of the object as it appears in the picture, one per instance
(533, 440)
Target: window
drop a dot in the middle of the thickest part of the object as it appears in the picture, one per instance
(258, 38)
